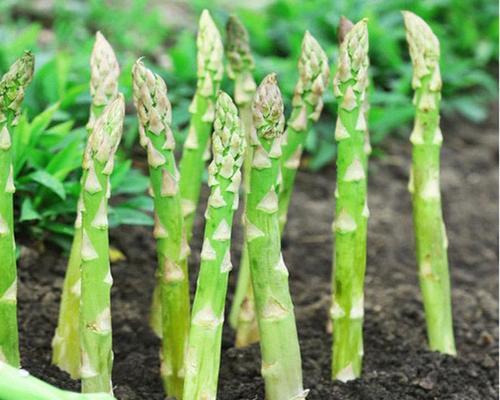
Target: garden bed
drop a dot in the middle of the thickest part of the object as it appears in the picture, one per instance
(397, 364)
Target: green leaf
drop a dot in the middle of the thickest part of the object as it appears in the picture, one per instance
(57, 227)
(139, 203)
(65, 161)
(26, 136)
(123, 215)
(28, 213)
(49, 181)
(130, 182)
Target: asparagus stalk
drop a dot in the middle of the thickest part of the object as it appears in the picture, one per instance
(155, 117)
(197, 145)
(96, 280)
(307, 105)
(196, 149)
(430, 231)
(350, 227)
(19, 384)
(281, 363)
(240, 69)
(104, 74)
(205, 335)
(12, 87)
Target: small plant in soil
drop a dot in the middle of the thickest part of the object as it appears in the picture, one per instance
(205, 334)
(155, 117)
(104, 72)
(281, 362)
(12, 87)
(430, 231)
(96, 280)
(351, 210)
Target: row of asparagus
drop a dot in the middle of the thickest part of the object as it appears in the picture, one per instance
(247, 141)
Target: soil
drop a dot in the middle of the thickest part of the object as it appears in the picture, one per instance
(397, 363)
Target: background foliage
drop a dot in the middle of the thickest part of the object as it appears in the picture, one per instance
(50, 137)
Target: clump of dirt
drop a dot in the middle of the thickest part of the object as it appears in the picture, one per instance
(397, 363)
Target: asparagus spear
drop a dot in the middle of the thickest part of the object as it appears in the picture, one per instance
(96, 280)
(197, 145)
(307, 105)
(205, 335)
(430, 231)
(155, 117)
(350, 227)
(281, 363)
(240, 69)
(19, 384)
(104, 74)
(12, 87)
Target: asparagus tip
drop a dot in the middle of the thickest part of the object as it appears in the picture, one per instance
(15, 81)
(153, 106)
(104, 72)
(210, 52)
(228, 136)
(420, 35)
(238, 45)
(356, 44)
(424, 49)
(21, 72)
(345, 25)
(313, 68)
(268, 108)
(207, 26)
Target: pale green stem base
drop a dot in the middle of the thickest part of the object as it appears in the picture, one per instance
(205, 335)
(175, 320)
(430, 231)
(66, 341)
(281, 360)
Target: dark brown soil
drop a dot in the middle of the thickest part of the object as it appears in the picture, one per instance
(397, 362)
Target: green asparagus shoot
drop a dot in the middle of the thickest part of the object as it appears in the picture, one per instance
(104, 74)
(12, 87)
(197, 145)
(205, 335)
(96, 280)
(307, 105)
(351, 210)
(196, 151)
(424, 186)
(155, 118)
(240, 69)
(281, 362)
